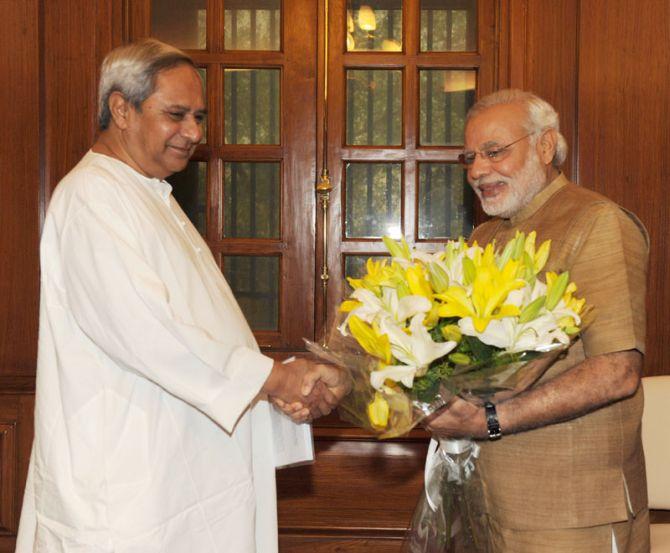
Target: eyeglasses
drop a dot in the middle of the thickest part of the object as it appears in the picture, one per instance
(494, 154)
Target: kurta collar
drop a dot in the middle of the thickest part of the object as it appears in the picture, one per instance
(540, 199)
(158, 186)
(161, 187)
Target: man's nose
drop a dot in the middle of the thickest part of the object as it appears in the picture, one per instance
(192, 129)
(480, 166)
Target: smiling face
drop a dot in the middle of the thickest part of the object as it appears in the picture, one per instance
(507, 185)
(160, 138)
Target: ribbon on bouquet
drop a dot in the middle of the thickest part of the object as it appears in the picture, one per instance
(457, 456)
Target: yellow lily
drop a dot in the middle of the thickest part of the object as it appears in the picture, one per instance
(349, 305)
(418, 282)
(490, 288)
(378, 412)
(371, 339)
(522, 248)
(378, 274)
(571, 302)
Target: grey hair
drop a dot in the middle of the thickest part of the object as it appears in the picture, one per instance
(131, 70)
(541, 115)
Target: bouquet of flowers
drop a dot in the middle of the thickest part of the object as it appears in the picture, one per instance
(480, 322)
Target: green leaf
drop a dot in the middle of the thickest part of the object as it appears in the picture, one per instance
(480, 351)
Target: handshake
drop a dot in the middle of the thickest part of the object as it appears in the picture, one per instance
(305, 390)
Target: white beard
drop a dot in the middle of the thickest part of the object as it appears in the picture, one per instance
(521, 188)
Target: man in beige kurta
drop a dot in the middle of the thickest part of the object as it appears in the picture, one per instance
(568, 473)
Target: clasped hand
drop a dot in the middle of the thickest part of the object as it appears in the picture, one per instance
(305, 390)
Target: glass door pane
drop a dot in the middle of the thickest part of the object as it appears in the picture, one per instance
(252, 25)
(182, 23)
(448, 25)
(374, 25)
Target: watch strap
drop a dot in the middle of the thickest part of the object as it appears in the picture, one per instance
(492, 422)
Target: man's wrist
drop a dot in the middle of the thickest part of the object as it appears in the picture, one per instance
(493, 428)
(273, 383)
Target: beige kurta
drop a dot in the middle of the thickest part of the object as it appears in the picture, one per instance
(144, 440)
(575, 474)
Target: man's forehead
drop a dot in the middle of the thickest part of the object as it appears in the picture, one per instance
(180, 85)
(496, 125)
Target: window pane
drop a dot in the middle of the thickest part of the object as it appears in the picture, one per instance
(374, 25)
(445, 97)
(252, 24)
(374, 107)
(373, 193)
(354, 265)
(448, 25)
(251, 106)
(445, 201)
(251, 194)
(182, 23)
(189, 188)
(254, 281)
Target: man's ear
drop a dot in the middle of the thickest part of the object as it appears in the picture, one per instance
(119, 109)
(546, 145)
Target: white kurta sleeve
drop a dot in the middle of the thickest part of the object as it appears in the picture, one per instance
(124, 307)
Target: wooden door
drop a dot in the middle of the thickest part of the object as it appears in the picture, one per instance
(249, 188)
(376, 93)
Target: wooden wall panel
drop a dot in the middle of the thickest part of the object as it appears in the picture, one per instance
(77, 35)
(539, 52)
(8, 477)
(20, 214)
(51, 50)
(624, 132)
(357, 495)
(19, 191)
(16, 436)
(329, 544)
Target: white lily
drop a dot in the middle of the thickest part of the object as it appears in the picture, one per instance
(540, 334)
(374, 308)
(416, 348)
(396, 373)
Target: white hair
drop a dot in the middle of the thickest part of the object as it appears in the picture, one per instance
(541, 115)
(131, 70)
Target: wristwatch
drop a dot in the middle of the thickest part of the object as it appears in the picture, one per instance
(492, 422)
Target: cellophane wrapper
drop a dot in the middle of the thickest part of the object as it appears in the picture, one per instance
(494, 380)
(449, 516)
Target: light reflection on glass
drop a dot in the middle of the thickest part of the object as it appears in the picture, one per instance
(374, 25)
(444, 99)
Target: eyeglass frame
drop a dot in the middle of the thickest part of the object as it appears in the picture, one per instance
(486, 153)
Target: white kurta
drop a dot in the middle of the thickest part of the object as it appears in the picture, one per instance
(146, 368)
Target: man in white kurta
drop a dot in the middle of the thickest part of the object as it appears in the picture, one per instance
(150, 434)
